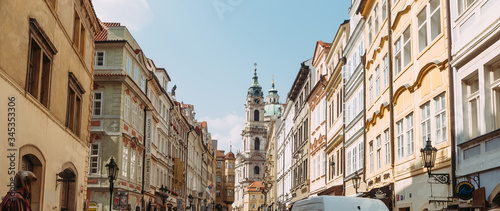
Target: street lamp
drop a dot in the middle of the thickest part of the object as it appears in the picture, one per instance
(355, 181)
(428, 161)
(163, 195)
(190, 199)
(112, 171)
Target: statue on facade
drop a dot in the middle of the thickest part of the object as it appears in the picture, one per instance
(173, 90)
(18, 199)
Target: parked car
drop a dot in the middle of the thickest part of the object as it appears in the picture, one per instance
(341, 203)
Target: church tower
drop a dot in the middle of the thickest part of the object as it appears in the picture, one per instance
(250, 162)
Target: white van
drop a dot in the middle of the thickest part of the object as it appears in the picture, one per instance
(340, 203)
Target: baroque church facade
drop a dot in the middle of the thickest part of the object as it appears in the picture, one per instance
(250, 161)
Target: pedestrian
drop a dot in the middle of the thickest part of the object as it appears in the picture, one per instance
(18, 199)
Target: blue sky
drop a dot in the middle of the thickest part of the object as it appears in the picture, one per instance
(208, 48)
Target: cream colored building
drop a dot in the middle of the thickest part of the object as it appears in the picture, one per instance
(334, 112)
(46, 67)
(253, 198)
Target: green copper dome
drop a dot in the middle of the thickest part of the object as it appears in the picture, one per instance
(255, 89)
(273, 91)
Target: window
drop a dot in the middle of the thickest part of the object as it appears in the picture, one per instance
(440, 118)
(410, 145)
(433, 25)
(386, 70)
(370, 82)
(97, 103)
(495, 84)
(473, 106)
(79, 34)
(74, 106)
(136, 74)
(99, 58)
(387, 148)
(253, 205)
(218, 192)
(379, 152)
(132, 164)
(384, 10)
(375, 18)
(261, 196)
(129, 66)
(141, 122)
(218, 164)
(41, 52)
(402, 57)
(348, 170)
(94, 158)
(126, 108)
(400, 139)
(425, 122)
(256, 170)
(134, 114)
(370, 39)
(139, 169)
(377, 81)
(218, 178)
(256, 144)
(143, 83)
(229, 192)
(253, 197)
(463, 5)
(371, 156)
(256, 115)
(124, 161)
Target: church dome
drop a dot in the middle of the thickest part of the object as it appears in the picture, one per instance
(230, 155)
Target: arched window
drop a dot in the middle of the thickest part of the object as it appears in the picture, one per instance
(256, 115)
(256, 144)
(256, 170)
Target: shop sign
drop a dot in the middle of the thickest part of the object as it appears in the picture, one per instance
(464, 190)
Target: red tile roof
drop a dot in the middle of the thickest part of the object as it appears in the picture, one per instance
(230, 155)
(253, 187)
(220, 153)
(103, 35)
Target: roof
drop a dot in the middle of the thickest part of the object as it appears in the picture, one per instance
(230, 155)
(253, 187)
(103, 35)
(220, 153)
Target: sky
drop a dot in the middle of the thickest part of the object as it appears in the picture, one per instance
(209, 48)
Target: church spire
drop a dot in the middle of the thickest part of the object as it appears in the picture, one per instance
(255, 89)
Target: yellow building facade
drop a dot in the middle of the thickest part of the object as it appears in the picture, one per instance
(46, 67)
(407, 102)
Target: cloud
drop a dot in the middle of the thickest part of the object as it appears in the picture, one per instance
(226, 130)
(133, 14)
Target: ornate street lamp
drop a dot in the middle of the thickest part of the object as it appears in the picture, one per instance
(429, 159)
(355, 181)
(112, 171)
(163, 195)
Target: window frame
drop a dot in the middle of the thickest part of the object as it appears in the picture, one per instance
(74, 104)
(97, 156)
(97, 58)
(440, 114)
(94, 100)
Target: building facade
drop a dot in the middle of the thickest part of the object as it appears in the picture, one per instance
(298, 94)
(225, 180)
(47, 88)
(475, 62)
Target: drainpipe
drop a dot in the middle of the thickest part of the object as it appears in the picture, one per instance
(391, 89)
(452, 98)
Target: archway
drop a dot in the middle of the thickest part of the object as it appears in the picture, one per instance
(33, 160)
(67, 182)
(494, 198)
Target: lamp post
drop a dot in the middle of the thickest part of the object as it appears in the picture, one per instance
(429, 159)
(190, 199)
(355, 181)
(112, 171)
(163, 195)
